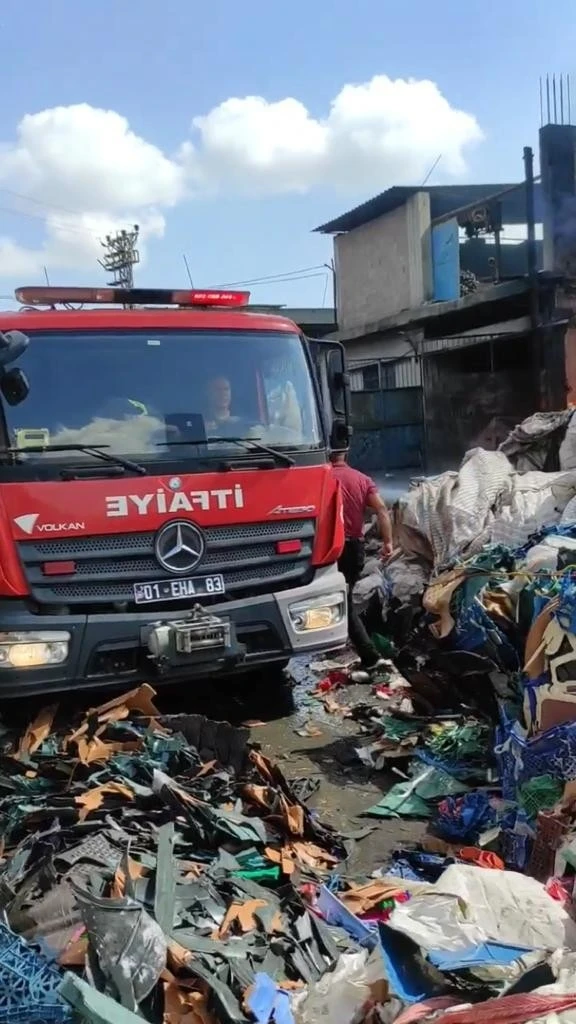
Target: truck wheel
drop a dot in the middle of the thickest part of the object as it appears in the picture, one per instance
(268, 693)
(280, 666)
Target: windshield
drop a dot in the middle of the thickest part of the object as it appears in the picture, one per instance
(141, 391)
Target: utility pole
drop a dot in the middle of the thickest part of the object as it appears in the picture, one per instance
(120, 256)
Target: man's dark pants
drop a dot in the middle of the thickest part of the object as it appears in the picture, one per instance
(351, 563)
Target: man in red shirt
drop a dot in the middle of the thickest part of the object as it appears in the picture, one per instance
(359, 493)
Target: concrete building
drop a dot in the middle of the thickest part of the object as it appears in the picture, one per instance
(452, 333)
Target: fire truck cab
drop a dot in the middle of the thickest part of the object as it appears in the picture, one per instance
(167, 509)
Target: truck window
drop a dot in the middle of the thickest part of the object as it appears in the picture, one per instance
(136, 390)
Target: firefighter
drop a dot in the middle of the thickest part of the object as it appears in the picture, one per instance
(359, 495)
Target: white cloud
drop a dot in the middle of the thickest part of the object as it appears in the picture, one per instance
(384, 132)
(86, 172)
(83, 158)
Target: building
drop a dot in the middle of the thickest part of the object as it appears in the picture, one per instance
(315, 322)
(453, 332)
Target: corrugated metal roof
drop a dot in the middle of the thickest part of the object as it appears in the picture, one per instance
(443, 199)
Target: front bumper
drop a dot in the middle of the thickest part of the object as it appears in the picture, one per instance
(110, 650)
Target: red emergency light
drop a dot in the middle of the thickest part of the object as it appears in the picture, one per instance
(32, 296)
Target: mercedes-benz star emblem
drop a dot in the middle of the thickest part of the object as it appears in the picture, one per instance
(179, 546)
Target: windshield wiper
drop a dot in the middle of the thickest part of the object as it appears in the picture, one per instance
(257, 446)
(88, 449)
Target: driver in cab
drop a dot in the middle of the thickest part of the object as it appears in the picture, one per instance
(219, 421)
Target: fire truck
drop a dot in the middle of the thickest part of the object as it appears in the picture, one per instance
(167, 509)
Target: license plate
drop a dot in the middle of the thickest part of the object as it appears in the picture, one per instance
(178, 590)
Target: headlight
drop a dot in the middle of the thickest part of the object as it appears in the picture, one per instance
(318, 612)
(33, 650)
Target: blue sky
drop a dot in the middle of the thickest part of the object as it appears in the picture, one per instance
(161, 65)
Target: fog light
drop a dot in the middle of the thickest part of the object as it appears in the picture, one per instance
(33, 650)
(318, 612)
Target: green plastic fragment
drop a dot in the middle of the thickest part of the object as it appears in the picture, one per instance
(250, 860)
(93, 1006)
(165, 894)
(383, 645)
(260, 874)
(397, 728)
(540, 794)
(415, 797)
(400, 803)
(460, 742)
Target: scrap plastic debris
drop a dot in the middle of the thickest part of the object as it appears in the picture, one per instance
(477, 716)
(162, 869)
(150, 860)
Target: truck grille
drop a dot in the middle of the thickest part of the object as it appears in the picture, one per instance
(108, 566)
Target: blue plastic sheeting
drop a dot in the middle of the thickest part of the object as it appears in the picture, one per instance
(531, 687)
(565, 530)
(485, 955)
(404, 967)
(566, 613)
(463, 819)
(418, 867)
(28, 985)
(475, 632)
(335, 913)
(269, 1003)
(520, 759)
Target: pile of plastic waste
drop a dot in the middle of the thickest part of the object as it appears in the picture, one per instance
(479, 723)
(151, 869)
(488, 649)
(162, 869)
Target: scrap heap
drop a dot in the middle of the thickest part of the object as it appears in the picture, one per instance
(147, 872)
(488, 648)
(162, 869)
(476, 922)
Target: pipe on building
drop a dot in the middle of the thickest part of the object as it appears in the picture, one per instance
(531, 235)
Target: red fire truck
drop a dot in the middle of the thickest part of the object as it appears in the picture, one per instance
(167, 509)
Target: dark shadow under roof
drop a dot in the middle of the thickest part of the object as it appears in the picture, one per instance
(444, 199)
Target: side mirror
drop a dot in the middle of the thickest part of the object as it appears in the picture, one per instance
(338, 381)
(14, 386)
(12, 345)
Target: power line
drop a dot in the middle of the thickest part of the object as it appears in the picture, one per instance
(39, 202)
(57, 224)
(287, 275)
(301, 274)
(282, 280)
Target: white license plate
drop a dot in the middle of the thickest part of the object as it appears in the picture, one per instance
(178, 590)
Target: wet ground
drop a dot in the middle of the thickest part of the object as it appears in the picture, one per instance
(277, 709)
(347, 788)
